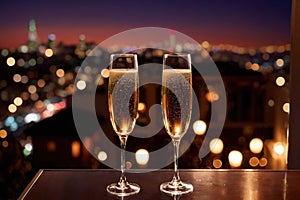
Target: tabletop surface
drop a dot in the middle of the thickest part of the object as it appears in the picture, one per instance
(208, 184)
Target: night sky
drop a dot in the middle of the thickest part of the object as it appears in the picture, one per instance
(244, 23)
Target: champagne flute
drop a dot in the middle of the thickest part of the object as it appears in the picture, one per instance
(177, 106)
(123, 100)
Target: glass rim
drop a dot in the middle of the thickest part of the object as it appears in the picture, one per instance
(115, 56)
(188, 55)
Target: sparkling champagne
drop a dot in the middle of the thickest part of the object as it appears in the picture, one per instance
(123, 99)
(176, 101)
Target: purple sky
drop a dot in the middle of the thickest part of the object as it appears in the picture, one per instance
(244, 23)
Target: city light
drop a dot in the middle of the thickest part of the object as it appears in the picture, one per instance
(21, 62)
(32, 89)
(256, 145)
(10, 61)
(3, 133)
(278, 148)
(5, 144)
(279, 62)
(32, 117)
(17, 78)
(18, 101)
(28, 147)
(41, 83)
(235, 158)
(102, 156)
(216, 146)
(286, 107)
(271, 103)
(255, 67)
(280, 81)
(12, 108)
(60, 73)
(142, 156)
(48, 52)
(199, 127)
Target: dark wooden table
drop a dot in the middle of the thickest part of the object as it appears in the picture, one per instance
(208, 184)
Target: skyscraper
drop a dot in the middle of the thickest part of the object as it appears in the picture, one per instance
(32, 36)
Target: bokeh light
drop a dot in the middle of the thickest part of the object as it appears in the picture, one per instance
(12, 108)
(199, 127)
(3, 133)
(141, 107)
(217, 163)
(286, 107)
(81, 85)
(280, 81)
(235, 158)
(18, 101)
(10, 61)
(279, 62)
(256, 145)
(254, 161)
(102, 156)
(17, 78)
(60, 73)
(142, 156)
(216, 146)
(278, 148)
(48, 52)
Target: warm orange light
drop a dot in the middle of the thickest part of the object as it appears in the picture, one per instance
(253, 161)
(255, 67)
(75, 149)
(41, 83)
(212, 96)
(217, 163)
(141, 107)
(3, 133)
(60, 73)
(32, 89)
(51, 146)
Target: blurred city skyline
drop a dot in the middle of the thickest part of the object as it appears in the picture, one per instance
(248, 24)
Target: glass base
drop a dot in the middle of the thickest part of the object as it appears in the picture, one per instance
(176, 188)
(123, 190)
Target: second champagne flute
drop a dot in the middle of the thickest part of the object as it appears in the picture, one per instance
(123, 100)
(176, 100)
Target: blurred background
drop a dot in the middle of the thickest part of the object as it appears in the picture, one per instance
(42, 46)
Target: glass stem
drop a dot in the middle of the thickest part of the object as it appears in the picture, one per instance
(122, 181)
(176, 178)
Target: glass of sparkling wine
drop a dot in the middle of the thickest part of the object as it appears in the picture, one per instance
(123, 97)
(176, 100)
